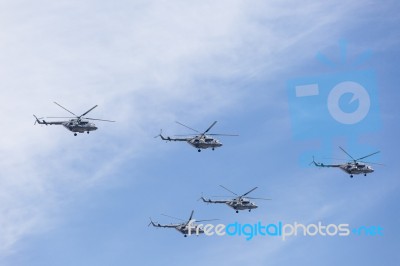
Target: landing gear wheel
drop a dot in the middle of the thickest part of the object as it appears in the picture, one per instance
(365, 174)
(237, 211)
(249, 210)
(75, 134)
(351, 176)
(199, 150)
(185, 235)
(213, 149)
(88, 132)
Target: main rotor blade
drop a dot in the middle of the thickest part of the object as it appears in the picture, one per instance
(228, 135)
(249, 192)
(173, 217)
(88, 111)
(187, 126)
(208, 129)
(186, 135)
(258, 198)
(59, 117)
(337, 159)
(373, 163)
(65, 109)
(99, 119)
(191, 216)
(229, 190)
(347, 153)
(368, 155)
(206, 220)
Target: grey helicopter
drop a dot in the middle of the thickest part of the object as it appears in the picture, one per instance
(77, 124)
(353, 167)
(201, 140)
(188, 227)
(241, 202)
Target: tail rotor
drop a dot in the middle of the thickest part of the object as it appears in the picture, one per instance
(313, 162)
(159, 135)
(151, 222)
(203, 199)
(37, 120)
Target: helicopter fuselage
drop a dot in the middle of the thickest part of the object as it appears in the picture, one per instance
(194, 229)
(356, 168)
(204, 142)
(241, 204)
(79, 126)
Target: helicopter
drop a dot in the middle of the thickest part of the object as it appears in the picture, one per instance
(200, 140)
(77, 124)
(188, 227)
(238, 203)
(353, 167)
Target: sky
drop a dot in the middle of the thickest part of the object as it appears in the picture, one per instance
(86, 200)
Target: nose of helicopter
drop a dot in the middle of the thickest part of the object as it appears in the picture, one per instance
(217, 143)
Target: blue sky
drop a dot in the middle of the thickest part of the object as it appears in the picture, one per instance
(86, 200)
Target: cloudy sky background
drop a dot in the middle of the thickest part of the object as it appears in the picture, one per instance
(86, 200)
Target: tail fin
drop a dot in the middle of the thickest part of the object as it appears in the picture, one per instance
(313, 162)
(204, 199)
(151, 222)
(161, 136)
(38, 121)
(316, 164)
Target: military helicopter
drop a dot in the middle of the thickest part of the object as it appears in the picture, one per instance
(200, 140)
(188, 227)
(238, 203)
(354, 167)
(76, 124)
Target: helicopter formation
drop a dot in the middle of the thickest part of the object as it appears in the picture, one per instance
(202, 140)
